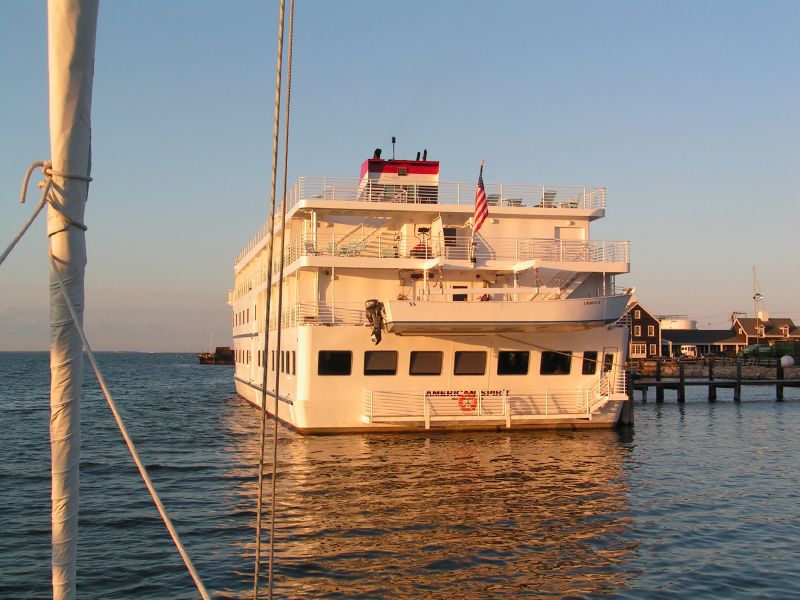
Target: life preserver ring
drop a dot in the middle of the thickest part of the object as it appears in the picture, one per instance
(467, 402)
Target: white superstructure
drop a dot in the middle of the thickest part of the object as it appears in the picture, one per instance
(513, 327)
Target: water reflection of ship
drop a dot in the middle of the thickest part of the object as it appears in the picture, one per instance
(476, 514)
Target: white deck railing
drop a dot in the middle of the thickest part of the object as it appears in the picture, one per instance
(447, 192)
(387, 245)
(477, 405)
(320, 313)
(393, 245)
(532, 197)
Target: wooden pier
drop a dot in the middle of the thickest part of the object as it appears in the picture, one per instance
(711, 382)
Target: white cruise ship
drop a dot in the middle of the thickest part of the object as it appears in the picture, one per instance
(397, 317)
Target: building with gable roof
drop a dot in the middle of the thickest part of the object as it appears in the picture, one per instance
(645, 332)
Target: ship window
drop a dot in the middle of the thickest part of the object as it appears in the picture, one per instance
(401, 171)
(380, 362)
(425, 363)
(450, 234)
(608, 363)
(272, 363)
(335, 362)
(459, 297)
(469, 363)
(294, 362)
(283, 361)
(555, 363)
(513, 362)
(589, 363)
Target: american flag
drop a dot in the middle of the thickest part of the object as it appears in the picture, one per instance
(481, 207)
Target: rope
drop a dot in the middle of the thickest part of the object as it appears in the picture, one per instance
(101, 380)
(48, 172)
(280, 302)
(275, 129)
(21, 232)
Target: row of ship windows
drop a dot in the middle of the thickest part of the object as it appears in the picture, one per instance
(243, 316)
(512, 362)
(384, 362)
(288, 359)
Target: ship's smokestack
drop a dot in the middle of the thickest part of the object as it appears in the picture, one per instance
(425, 155)
(377, 153)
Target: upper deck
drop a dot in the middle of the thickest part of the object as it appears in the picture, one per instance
(365, 195)
(534, 197)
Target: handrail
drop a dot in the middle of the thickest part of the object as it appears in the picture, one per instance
(390, 245)
(457, 193)
(434, 405)
(525, 197)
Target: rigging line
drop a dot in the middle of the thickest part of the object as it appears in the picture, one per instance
(280, 303)
(275, 128)
(128, 441)
(23, 231)
(44, 199)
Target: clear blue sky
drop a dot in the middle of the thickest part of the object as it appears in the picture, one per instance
(687, 111)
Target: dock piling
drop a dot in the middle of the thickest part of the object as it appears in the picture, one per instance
(682, 384)
(779, 384)
(712, 389)
(626, 416)
(659, 389)
(737, 387)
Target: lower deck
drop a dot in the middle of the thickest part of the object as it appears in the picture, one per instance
(335, 379)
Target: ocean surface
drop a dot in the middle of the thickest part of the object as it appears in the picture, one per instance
(698, 500)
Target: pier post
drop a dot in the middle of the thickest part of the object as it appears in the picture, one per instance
(682, 384)
(659, 389)
(712, 389)
(626, 415)
(778, 385)
(737, 388)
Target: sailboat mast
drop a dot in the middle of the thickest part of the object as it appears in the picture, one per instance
(72, 26)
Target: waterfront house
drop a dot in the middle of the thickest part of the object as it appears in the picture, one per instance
(765, 330)
(645, 332)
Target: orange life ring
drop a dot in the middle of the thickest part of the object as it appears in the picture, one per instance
(467, 402)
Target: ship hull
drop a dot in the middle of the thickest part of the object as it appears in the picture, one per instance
(315, 403)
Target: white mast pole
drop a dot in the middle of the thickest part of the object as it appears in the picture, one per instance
(72, 26)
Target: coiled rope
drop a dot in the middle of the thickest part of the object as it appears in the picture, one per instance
(46, 198)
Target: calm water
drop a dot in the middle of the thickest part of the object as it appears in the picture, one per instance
(698, 500)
